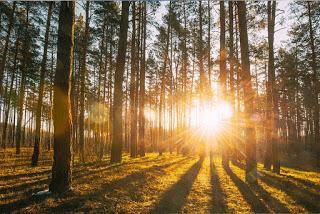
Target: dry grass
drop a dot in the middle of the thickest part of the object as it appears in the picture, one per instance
(155, 184)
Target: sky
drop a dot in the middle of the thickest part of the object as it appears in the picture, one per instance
(281, 32)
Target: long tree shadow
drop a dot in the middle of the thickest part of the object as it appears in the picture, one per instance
(305, 182)
(307, 199)
(274, 204)
(255, 203)
(173, 200)
(80, 171)
(219, 197)
(132, 183)
(40, 185)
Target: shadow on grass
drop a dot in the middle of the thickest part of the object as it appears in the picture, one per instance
(80, 170)
(307, 199)
(42, 185)
(22, 203)
(109, 194)
(219, 197)
(305, 182)
(173, 200)
(255, 203)
(273, 203)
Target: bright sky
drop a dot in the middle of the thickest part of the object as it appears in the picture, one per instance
(280, 34)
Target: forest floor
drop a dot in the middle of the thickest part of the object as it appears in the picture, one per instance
(155, 184)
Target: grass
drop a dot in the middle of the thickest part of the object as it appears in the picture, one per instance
(155, 184)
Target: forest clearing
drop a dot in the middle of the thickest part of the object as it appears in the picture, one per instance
(159, 106)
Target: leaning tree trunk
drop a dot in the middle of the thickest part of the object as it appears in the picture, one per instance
(250, 133)
(116, 150)
(36, 148)
(61, 168)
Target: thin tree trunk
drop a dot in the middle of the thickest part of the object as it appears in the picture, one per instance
(83, 85)
(7, 42)
(316, 83)
(133, 85)
(223, 72)
(162, 89)
(8, 101)
(142, 85)
(22, 83)
(36, 148)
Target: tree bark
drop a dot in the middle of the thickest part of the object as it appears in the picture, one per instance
(61, 168)
(116, 150)
(250, 133)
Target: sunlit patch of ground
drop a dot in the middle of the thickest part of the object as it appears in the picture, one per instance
(155, 184)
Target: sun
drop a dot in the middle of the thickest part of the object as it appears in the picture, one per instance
(214, 118)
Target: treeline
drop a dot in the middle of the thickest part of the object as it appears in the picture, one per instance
(113, 77)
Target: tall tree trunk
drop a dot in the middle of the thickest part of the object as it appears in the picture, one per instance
(83, 85)
(6, 45)
(162, 87)
(100, 101)
(22, 82)
(200, 58)
(223, 72)
(250, 133)
(116, 150)
(316, 83)
(133, 98)
(209, 45)
(142, 85)
(232, 81)
(270, 87)
(275, 111)
(61, 168)
(36, 148)
(8, 101)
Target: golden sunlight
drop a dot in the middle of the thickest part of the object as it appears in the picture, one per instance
(213, 118)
